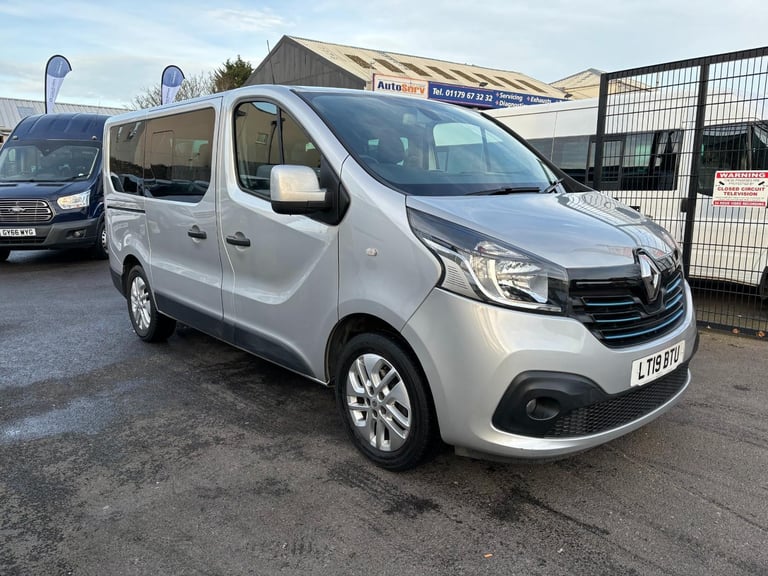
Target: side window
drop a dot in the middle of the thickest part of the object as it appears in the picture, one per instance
(723, 148)
(178, 158)
(665, 161)
(299, 149)
(636, 162)
(760, 146)
(569, 153)
(126, 157)
(266, 136)
(544, 145)
(168, 157)
(612, 154)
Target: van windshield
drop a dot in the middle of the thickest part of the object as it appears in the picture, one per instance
(48, 161)
(429, 148)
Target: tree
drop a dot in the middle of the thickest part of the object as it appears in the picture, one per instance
(192, 87)
(232, 75)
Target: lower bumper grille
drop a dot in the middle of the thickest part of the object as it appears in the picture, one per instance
(21, 240)
(619, 410)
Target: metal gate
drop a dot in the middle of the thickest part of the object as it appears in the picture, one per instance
(663, 132)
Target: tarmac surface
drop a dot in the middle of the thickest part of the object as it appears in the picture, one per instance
(190, 457)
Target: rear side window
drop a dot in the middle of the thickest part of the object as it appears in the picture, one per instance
(168, 157)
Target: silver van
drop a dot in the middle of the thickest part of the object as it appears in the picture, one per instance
(448, 281)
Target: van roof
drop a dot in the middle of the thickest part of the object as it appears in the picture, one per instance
(64, 126)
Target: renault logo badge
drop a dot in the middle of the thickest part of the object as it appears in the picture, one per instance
(651, 276)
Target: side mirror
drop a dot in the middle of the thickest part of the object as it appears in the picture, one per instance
(296, 190)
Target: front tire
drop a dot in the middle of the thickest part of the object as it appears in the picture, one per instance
(149, 324)
(4, 253)
(384, 402)
(101, 248)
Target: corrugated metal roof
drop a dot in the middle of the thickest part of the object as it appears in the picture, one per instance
(363, 63)
(586, 84)
(12, 110)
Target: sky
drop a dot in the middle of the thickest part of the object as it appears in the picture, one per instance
(119, 49)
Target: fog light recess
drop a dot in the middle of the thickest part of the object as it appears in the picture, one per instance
(542, 408)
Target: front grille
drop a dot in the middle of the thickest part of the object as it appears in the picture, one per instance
(618, 314)
(25, 212)
(620, 410)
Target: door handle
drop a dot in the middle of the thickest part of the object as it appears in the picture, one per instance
(238, 240)
(195, 232)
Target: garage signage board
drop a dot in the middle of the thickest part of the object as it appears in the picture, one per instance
(400, 85)
(740, 188)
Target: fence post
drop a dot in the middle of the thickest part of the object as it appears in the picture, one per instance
(693, 183)
(597, 177)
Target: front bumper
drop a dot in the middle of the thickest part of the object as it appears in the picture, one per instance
(474, 355)
(59, 235)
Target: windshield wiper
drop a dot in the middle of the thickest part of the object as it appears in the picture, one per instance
(517, 189)
(505, 190)
(551, 187)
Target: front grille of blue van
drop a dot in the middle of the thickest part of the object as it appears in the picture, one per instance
(618, 312)
(25, 212)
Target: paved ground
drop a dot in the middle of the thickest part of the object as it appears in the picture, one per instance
(122, 458)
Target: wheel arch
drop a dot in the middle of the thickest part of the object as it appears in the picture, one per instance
(355, 324)
(128, 263)
(349, 327)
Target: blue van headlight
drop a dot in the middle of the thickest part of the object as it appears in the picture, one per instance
(483, 268)
(74, 201)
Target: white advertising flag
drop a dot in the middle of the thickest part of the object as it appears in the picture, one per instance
(172, 79)
(55, 70)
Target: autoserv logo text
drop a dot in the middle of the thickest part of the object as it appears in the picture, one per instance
(400, 85)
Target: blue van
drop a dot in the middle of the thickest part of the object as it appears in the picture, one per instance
(51, 193)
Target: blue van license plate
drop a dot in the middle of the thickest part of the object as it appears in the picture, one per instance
(15, 232)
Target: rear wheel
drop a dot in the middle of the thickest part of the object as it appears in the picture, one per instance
(149, 324)
(384, 402)
(4, 253)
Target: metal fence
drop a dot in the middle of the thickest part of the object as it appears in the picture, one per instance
(663, 133)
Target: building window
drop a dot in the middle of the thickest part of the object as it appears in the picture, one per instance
(389, 66)
(416, 69)
(441, 72)
(465, 76)
(359, 61)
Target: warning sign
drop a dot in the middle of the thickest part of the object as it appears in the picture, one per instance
(740, 188)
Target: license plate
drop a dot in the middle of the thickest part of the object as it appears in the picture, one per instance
(14, 232)
(656, 365)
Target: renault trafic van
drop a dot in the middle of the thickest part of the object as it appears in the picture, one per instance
(447, 280)
(50, 184)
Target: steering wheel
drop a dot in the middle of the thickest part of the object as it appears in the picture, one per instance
(368, 159)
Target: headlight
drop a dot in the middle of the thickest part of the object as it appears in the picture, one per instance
(74, 201)
(486, 269)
